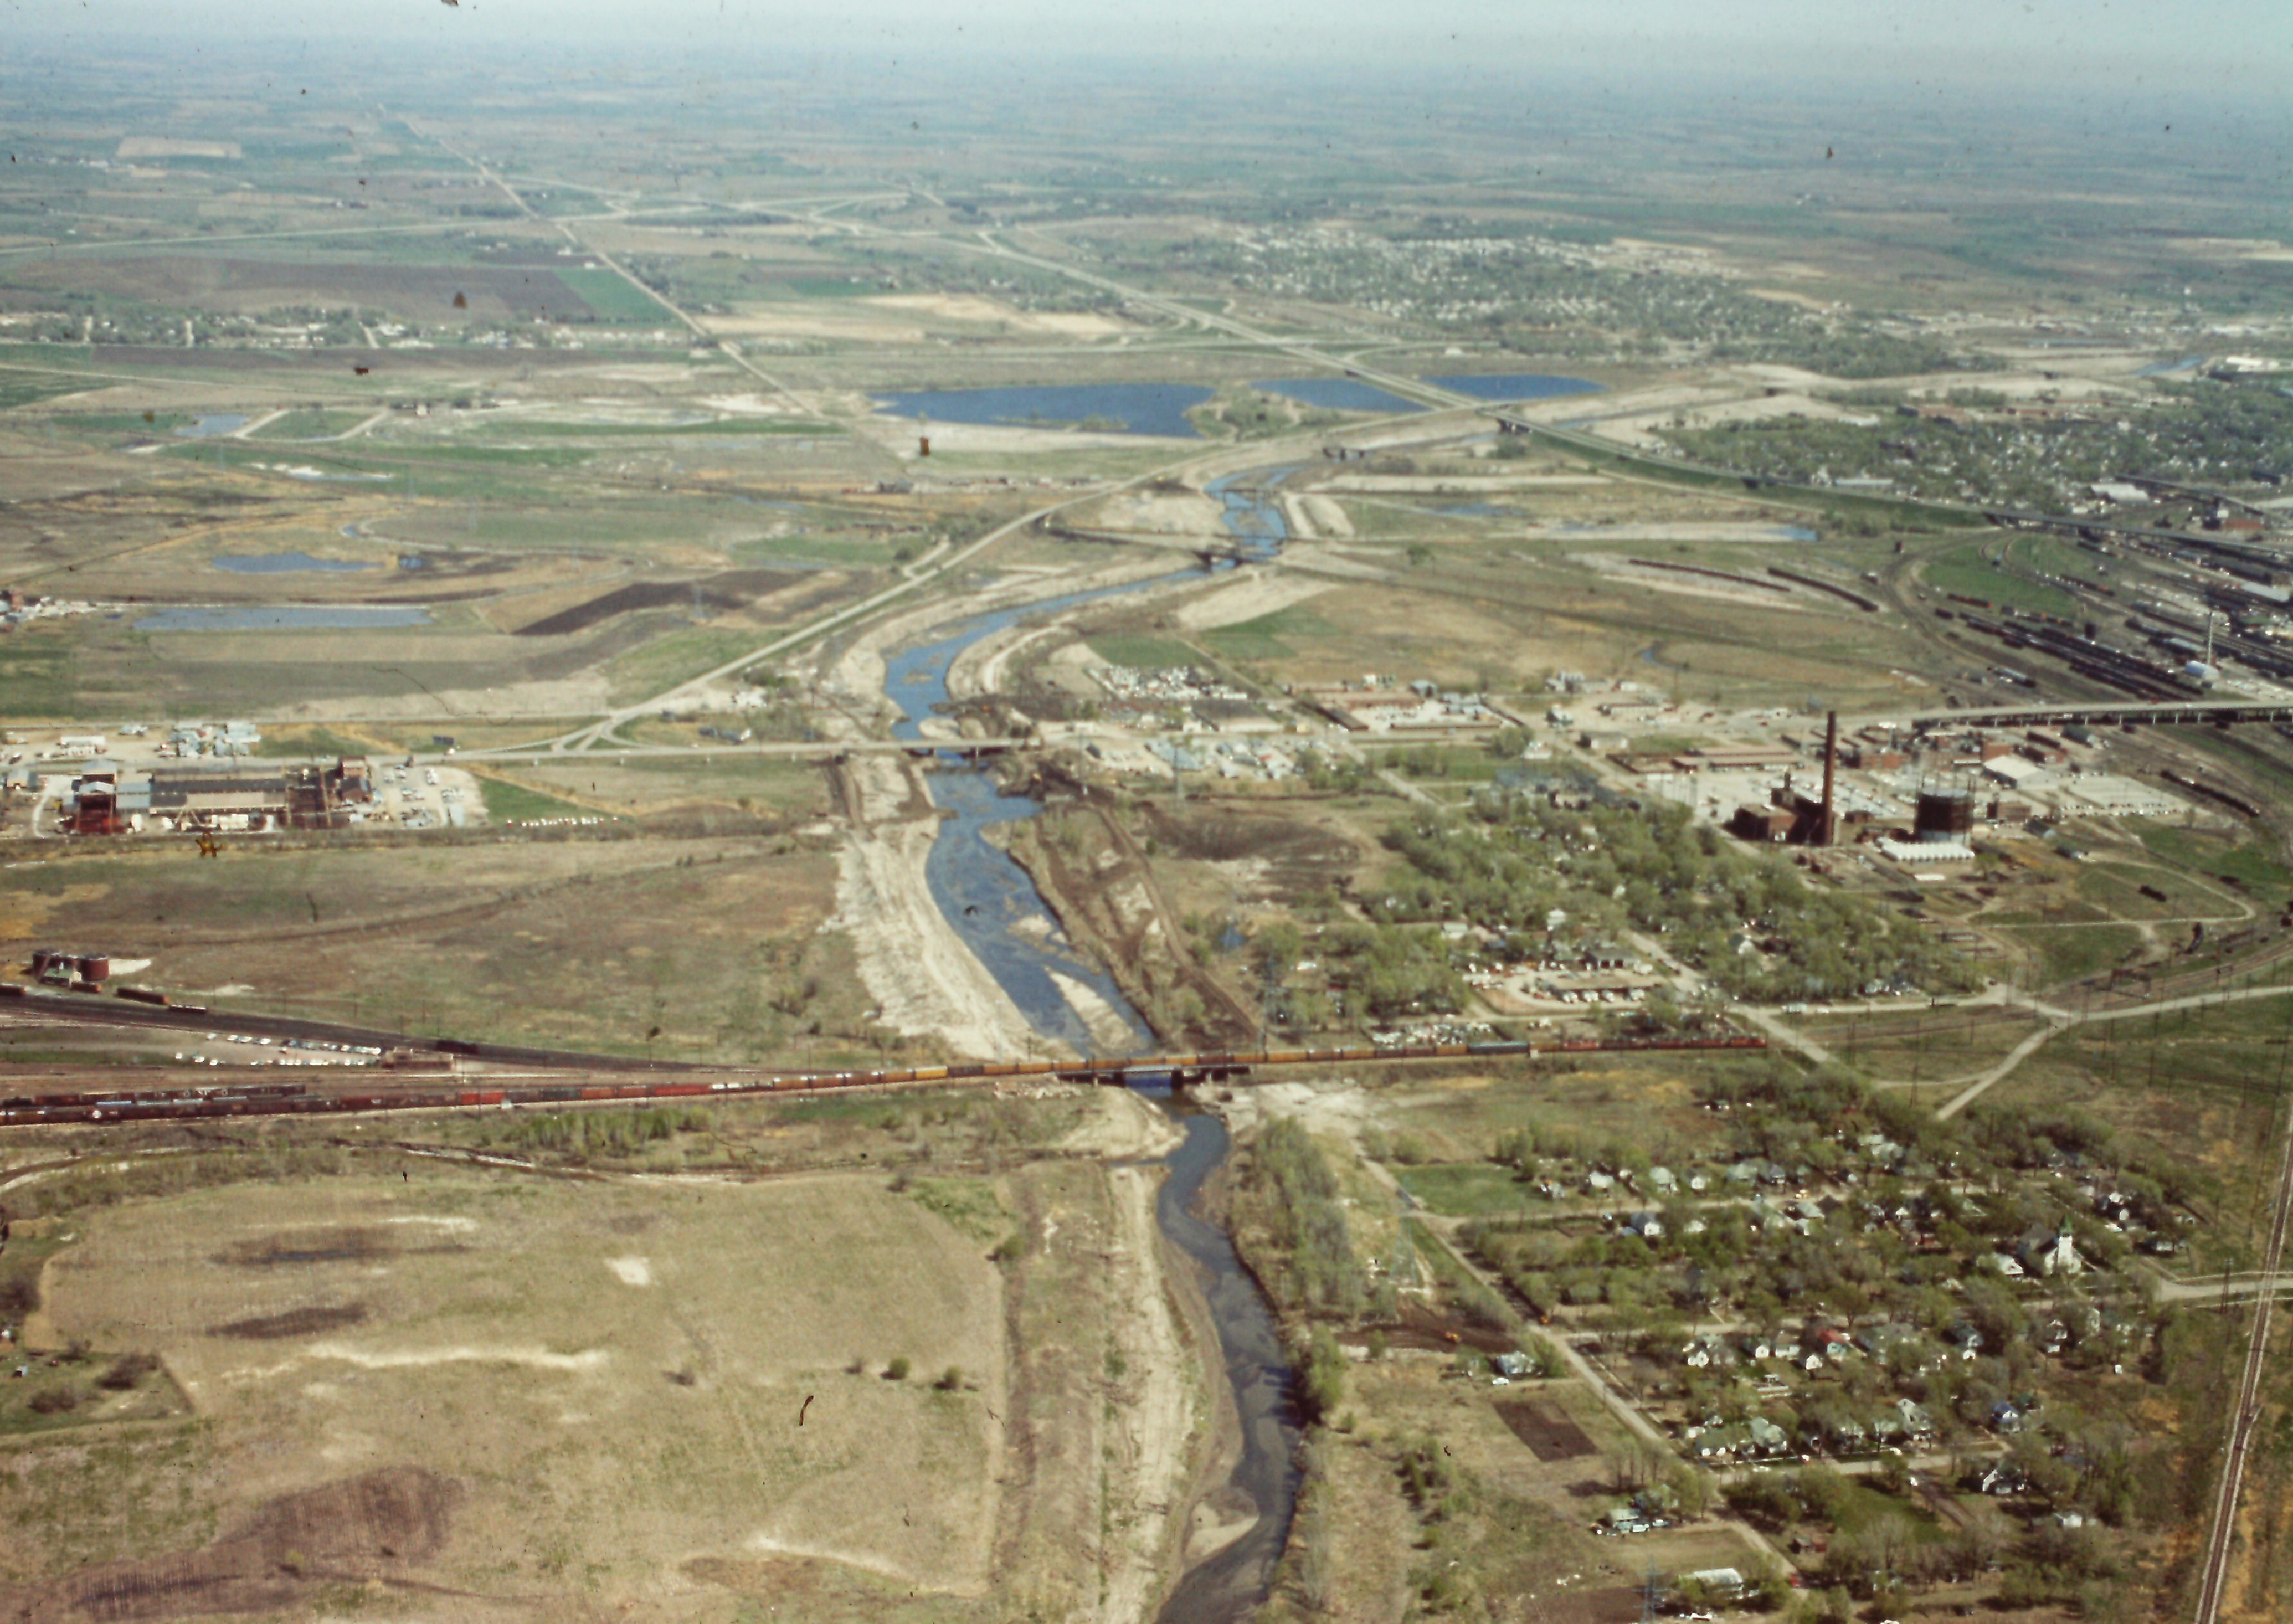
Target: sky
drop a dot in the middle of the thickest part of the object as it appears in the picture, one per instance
(2241, 46)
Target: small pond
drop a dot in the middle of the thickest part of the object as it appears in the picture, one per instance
(212, 424)
(281, 563)
(1514, 386)
(1337, 394)
(1133, 409)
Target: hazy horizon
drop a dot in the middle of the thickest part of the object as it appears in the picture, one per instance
(2234, 48)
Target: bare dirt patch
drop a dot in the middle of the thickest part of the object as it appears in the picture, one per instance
(719, 595)
(384, 1525)
(1549, 1435)
(321, 1245)
(294, 1322)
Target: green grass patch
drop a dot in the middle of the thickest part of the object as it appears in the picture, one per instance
(122, 422)
(303, 743)
(858, 551)
(1436, 764)
(2207, 853)
(1966, 571)
(613, 297)
(529, 428)
(969, 1206)
(1466, 1189)
(678, 657)
(1262, 638)
(36, 676)
(825, 288)
(1144, 653)
(506, 802)
(24, 388)
(1860, 1507)
(2074, 953)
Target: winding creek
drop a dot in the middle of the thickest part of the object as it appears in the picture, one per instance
(992, 905)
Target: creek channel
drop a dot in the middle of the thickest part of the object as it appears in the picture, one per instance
(992, 905)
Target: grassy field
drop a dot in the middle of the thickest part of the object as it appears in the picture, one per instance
(1143, 652)
(2073, 954)
(692, 947)
(2247, 860)
(310, 423)
(1967, 572)
(675, 657)
(25, 387)
(614, 298)
(1270, 637)
(507, 802)
(1466, 1189)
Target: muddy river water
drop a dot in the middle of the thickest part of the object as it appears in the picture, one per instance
(992, 904)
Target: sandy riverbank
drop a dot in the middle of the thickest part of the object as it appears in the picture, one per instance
(923, 978)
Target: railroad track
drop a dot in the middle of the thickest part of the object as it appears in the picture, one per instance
(406, 1088)
(2214, 1578)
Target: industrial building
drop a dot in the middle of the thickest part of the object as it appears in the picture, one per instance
(217, 798)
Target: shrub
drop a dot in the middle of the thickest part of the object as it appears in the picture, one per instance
(127, 1370)
(898, 1370)
(55, 1401)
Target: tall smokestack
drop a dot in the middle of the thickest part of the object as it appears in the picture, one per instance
(1828, 827)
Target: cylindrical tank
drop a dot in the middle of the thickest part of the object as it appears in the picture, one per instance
(1944, 815)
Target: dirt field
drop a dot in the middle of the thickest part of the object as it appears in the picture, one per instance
(423, 292)
(552, 1383)
(494, 1394)
(1549, 1434)
(720, 594)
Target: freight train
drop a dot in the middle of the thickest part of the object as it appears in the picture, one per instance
(300, 1099)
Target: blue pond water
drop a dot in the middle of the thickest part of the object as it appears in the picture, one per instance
(1514, 386)
(212, 424)
(1338, 394)
(281, 563)
(312, 618)
(1141, 408)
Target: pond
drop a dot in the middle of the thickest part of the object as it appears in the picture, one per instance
(289, 617)
(1515, 386)
(1337, 394)
(1132, 409)
(213, 425)
(281, 563)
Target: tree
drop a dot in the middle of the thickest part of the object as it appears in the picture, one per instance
(1691, 1490)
